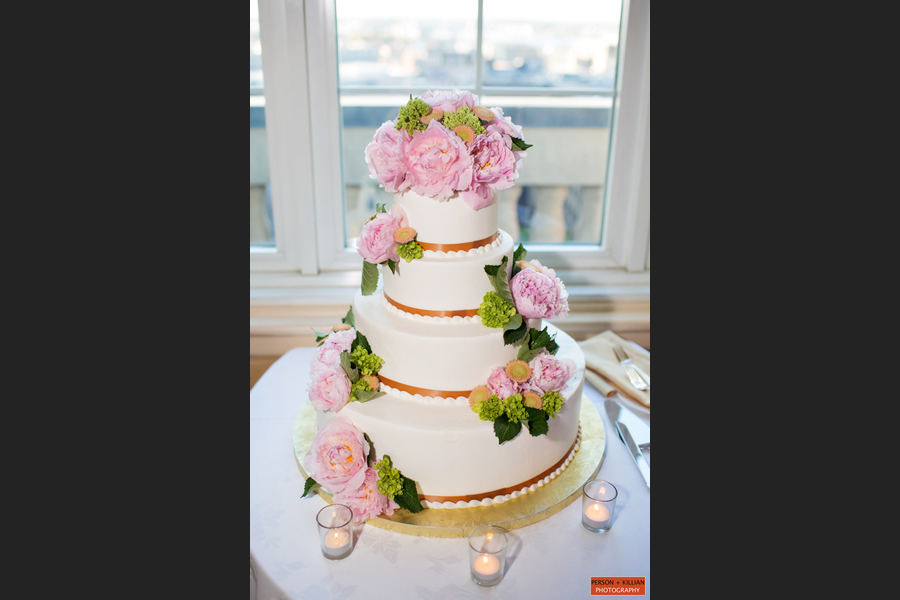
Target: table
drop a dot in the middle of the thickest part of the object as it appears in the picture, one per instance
(555, 558)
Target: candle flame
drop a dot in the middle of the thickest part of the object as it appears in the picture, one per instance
(490, 536)
(485, 559)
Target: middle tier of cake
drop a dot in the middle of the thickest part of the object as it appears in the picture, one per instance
(446, 284)
(432, 357)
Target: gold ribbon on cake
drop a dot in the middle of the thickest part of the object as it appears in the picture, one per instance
(425, 393)
(465, 247)
(440, 314)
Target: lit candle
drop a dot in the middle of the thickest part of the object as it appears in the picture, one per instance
(487, 567)
(337, 542)
(597, 516)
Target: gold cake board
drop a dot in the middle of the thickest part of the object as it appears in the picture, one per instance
(513, 514)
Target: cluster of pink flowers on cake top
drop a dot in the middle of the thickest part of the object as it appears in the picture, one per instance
(545, 374)
(338, 460)
(443, 145)
(538, 292)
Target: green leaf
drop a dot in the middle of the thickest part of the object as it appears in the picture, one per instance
(500, 281)
(505, 429)
(409, 498)
(492, 270)
(363, 397)
(351, 371)
(520, 255)
(553, 347)
(350, 319)
(538, 422)
(369, 278)
(520, 145)
(393, 266)
(526, 354)
(320, 337)
(516, 335)
(514, 323)
(361, 340)
(310, 484)
(380, 208)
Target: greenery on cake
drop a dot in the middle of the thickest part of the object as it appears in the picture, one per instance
(393, 485)
(498, 309)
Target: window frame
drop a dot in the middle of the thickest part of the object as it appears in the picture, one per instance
(301, 80)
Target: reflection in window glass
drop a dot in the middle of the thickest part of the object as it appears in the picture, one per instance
(385, 46)
(261, 227)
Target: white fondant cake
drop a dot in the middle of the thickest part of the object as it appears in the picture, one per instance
(442, 363)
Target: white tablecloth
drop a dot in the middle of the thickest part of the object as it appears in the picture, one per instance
(555, 558)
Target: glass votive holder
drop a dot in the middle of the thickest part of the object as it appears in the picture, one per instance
(487, 555)
(598, 505)
(336, 531)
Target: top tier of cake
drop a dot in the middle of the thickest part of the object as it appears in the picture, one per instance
(448, 223)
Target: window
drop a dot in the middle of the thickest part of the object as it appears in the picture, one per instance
(262, 229)
(316, 125)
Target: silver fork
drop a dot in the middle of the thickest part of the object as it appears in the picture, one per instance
(636, 380)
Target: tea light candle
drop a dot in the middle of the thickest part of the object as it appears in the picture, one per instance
(487, 567)
(597, 516)
(337, 542)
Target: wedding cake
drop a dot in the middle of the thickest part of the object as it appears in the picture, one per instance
(443, 387)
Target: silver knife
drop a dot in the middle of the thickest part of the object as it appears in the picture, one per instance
(639, 459)
(616, 412)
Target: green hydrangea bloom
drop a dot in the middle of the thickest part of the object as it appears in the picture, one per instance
(410, 117)
(553, 402)
(410, 251)
(359, 386)
(495, 311)
(515, 410)
(490, 409)
(390, 482)
(464, 116)
(368, 364)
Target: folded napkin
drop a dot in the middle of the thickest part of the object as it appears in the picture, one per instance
(605, 372)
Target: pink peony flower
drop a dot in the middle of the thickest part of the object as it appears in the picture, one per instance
(503, 125)
(539, 293)
(450, 102)
(550, 373)
(329, 353)
(376, 242)
(337, 458)
(479, 196)
(500, 384)
(365, 500)
(438, 163)
(495, 163)
(329, 388)
(385, 156)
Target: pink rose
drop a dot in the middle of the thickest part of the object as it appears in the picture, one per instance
(450, 102)
(329, 389)
(500, 384)
(551, 374)
(337, 458)
(385, 156)
(539, 293)
(329, 353)
(438, 163)
(376, 242)
(366, 501)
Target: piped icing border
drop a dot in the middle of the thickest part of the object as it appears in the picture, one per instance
(435, 314)
(465, 247)
(506, 494)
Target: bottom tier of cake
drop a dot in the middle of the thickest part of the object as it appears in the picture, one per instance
(456, 457)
